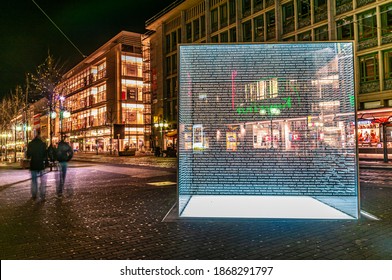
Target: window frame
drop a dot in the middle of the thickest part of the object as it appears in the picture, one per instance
(363, 67)
(343, 23)
(363, 27)
(386, 10)
(387, 59)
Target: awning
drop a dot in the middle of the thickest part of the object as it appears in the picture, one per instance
(172, 133)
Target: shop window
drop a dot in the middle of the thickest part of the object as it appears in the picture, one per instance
(321, 33)
(232, 11)
(388, 64)
(270, 16)
(233, 34)
(246, 8)
(223, 15)
(288, 17)
(247, 31)
(224, 37)
(386, 19)
(214, 20)
(368, 133)
(306, 36)
(367, 25)
(196, 29)
(258, 24)
(369, 68)
(188, 29)
(345, 29)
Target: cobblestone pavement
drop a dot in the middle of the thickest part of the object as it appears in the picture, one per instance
(111, 212)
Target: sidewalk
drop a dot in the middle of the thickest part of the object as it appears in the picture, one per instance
(140, 159)
(372, 161)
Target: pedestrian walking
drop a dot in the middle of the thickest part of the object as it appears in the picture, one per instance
(64, 154)
(52, 156)
(36, 152)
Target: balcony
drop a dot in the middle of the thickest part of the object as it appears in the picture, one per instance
(386, 38)
(269, 3)
(367, 87)
(304, 21)
(214, 27)
(388, 84)
(288, 26)
(321, 13)
(223, 23)
(258, 7)
(361, 3)
(344, 7)
(366, 44)
(246, 13)
(271, 34)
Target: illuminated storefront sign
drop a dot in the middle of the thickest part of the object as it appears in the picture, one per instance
(266, 131)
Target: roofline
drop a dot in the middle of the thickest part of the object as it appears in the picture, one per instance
(149, 23)
(105, 47)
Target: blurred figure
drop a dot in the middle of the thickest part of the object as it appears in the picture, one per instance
(52, 156)
(36, 152)
(64, 154)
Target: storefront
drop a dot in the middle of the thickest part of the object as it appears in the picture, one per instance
(373, 126)
(369, 134)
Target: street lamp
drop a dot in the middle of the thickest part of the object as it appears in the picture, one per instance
(161, 125)
(272, 112)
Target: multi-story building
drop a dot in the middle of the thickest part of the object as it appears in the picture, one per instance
(367, 22)
(107, 104)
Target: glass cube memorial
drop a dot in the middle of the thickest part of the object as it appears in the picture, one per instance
(267, 131)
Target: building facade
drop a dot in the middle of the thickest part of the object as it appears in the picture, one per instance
(367, 22)
(107, 104)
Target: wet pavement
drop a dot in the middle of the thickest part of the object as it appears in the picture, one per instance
(112, 211)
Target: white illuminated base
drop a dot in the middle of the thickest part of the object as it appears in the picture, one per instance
(271, 207)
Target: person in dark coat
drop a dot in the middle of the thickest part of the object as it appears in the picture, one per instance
(64, 154)
(36, 152)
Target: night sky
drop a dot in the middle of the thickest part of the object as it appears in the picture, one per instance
(26, 34)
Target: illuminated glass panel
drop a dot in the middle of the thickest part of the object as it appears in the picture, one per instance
(267, 131)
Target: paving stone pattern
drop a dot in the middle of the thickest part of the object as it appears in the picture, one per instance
(107, 215)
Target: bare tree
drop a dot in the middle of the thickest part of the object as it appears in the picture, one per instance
(46, 82)
(12, 109)
(4, 125)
